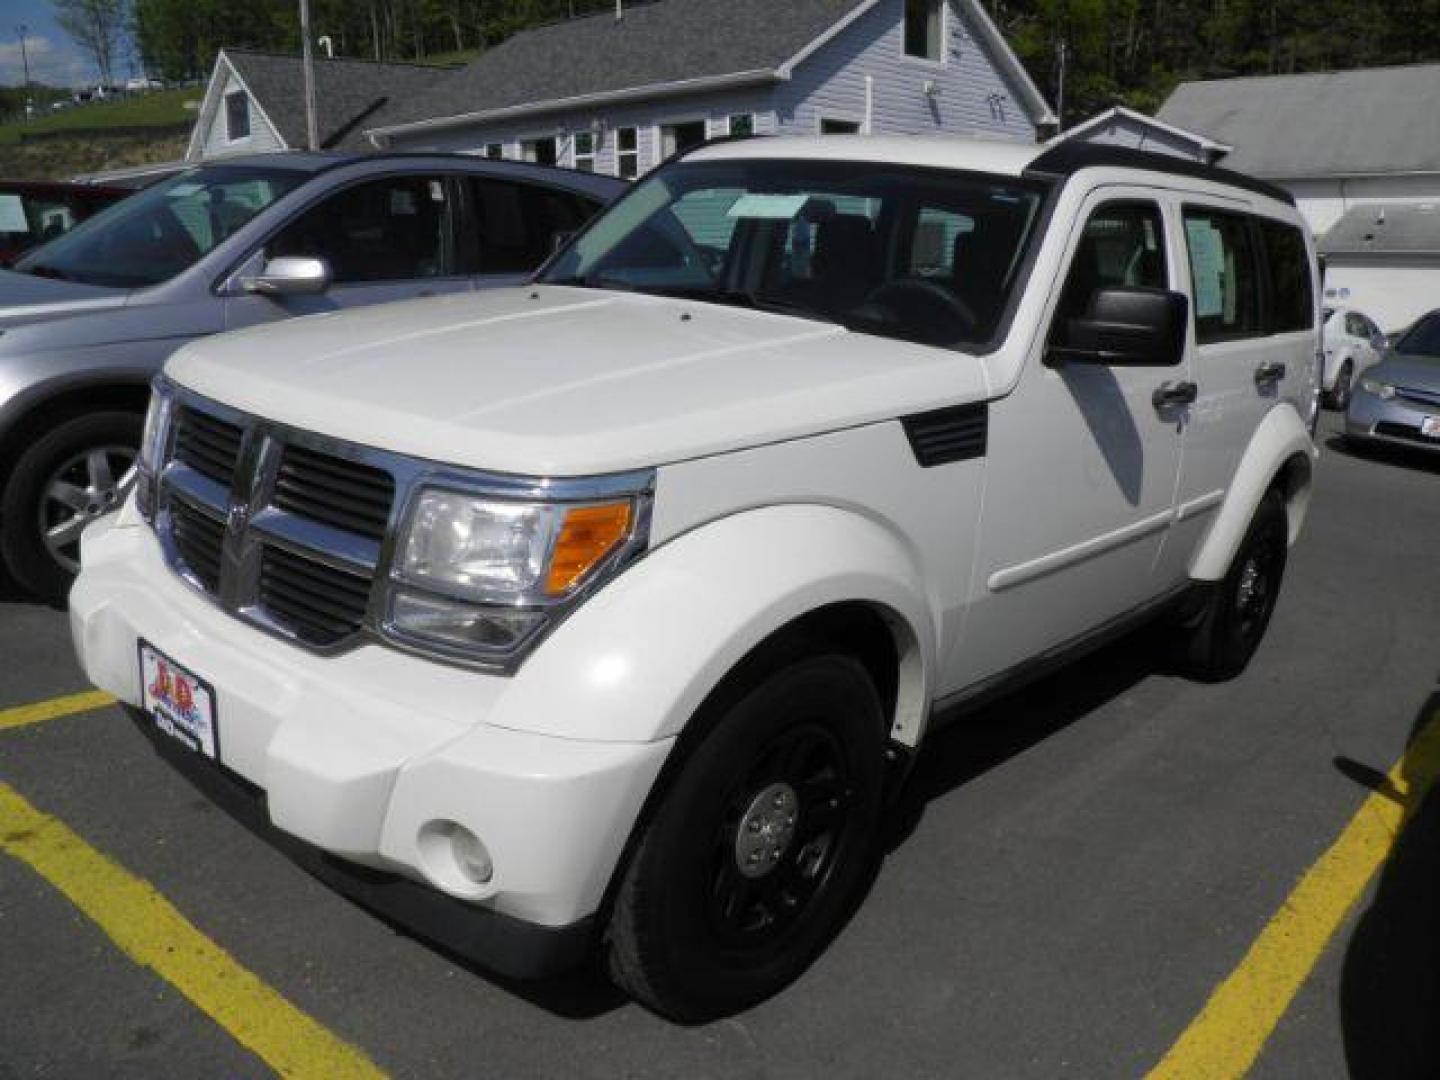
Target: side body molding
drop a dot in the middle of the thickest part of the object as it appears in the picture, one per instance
(635, 662)
(1281, 438)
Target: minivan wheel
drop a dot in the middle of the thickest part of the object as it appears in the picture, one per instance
(1233, 622)
(760, 847)
(80, 470)
(1339, 397)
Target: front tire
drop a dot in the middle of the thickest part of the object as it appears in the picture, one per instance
(760, 847)
(81, 469)
(1233, 623)
(1339, 397)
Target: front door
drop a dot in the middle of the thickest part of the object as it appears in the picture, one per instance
(392, 238)
(1082, 466)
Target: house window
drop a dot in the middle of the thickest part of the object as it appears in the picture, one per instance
(677, 138)
(237, 115)
(627, 153)
(540, 151)
(585, 151)
(839, 127)
(923, 24)
(742, 125)
(495, 151)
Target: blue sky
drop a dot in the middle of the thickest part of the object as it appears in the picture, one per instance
(54, 58)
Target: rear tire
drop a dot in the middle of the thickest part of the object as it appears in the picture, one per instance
(759, 849)
(1234, 620)
(79, 470)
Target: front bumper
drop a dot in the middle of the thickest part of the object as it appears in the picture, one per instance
(1394, 421)
(371, 756)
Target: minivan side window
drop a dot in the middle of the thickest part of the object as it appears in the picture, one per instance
(1292, 303)
(1123, 246)
(517, 225)
(1224, 276)
(394, 229)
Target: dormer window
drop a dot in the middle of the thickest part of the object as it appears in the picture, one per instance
(924, 22)
(237, 115)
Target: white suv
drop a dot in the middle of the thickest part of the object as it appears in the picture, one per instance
(1351, 343)
(602, 613)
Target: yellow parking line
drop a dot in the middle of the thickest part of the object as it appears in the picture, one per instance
(149, 930)
(1232, 1029)
(54, 708)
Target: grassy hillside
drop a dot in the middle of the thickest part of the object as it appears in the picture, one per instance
(162, 108)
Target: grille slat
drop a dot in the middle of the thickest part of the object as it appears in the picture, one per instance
(209, 446)
(198, 541)
(321, 604)
(334, 491)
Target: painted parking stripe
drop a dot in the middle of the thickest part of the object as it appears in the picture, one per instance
(1237, 1021)
(149, 930)
(54, 709)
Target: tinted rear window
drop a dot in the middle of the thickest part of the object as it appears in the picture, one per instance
(1292, 304)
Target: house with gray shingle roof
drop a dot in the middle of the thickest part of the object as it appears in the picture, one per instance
(620, 92)
(255, 102)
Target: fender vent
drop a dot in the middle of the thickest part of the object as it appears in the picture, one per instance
(945, 435)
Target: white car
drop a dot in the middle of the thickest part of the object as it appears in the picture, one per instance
(1352, 343)
(603, 613)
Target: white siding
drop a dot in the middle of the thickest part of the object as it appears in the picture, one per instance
(1393, 294)
(968, 94)
(1129, 133)
(262, 139)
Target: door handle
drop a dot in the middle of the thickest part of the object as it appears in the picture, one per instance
(1171, 394)
(1269, 373)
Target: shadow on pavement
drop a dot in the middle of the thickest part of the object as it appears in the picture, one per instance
(967, 744)
(1416, 458)
(1390, 986)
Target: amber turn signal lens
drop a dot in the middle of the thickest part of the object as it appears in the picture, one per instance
(588, 535)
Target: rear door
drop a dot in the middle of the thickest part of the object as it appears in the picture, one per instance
(1252, 338)
(387, 238)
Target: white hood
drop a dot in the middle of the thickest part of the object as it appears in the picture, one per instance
(569, 382)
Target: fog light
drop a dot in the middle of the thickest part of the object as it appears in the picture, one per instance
(454, 857)
(471, 856)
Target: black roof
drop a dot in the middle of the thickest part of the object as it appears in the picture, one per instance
(1068, 157)
(350, 95)
(662, 42)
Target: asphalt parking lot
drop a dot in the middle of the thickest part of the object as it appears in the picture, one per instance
(1115, 872)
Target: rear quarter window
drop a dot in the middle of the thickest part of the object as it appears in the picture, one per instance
(1292, 301)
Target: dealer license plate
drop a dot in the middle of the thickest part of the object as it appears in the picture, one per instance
(181, 703)
(1430, 427)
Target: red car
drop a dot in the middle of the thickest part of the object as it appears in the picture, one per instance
(33, 211)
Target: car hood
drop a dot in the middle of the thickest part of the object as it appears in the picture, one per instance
(1404, 369)
(25, 298)
(569, 382)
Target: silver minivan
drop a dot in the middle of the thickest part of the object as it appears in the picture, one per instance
(87, 320)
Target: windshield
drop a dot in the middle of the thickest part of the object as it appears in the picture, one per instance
(155, 234)
(1422, 339)
(919, 254)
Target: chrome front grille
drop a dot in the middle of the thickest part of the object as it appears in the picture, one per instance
(280, 527)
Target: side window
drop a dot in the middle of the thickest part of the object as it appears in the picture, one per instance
(1292, 304)
(1123, 246)
(517, 224)
(393, 229)
(1355, 325)
(1225, 276)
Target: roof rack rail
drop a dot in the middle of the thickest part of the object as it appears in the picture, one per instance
(1068, 158)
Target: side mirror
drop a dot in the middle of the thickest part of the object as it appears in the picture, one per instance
(1126, 327)
(290, 275)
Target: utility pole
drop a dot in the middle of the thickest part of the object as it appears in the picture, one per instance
(22, 30)
(312, 136)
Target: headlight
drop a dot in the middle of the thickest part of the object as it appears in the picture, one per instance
(152, 444)
(1384, 391)
(478, 576)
